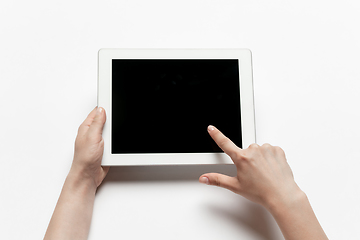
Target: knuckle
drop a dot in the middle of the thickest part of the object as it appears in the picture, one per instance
(267, 146)
(252, 149)
(217, 182)
(251, 153)
(254, 146)
(239, 154)
(279, 150)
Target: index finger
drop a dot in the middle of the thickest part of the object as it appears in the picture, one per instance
(223, 142)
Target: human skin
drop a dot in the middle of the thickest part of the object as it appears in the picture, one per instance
(72, 215)
(265, 177)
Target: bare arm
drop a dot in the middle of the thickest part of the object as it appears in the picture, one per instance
(265, 177)
(72, 216)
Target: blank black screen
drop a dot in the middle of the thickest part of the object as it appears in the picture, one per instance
(165, 106)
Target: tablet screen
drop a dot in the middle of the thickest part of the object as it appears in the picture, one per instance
(165, 106)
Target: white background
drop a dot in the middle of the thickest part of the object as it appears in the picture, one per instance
(306, 82)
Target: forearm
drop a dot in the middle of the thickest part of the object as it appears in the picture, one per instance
(73, 212)
(297, 219)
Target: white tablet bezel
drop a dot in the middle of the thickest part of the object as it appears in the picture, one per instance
(246, 103)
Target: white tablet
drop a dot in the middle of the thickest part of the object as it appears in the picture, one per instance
(159, 103)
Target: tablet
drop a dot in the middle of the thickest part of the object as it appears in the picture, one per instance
(159, 103)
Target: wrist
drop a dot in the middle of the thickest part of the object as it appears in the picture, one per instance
(79, 180)
(283, 204)
(296, 218)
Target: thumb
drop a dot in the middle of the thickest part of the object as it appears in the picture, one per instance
(220, 180)
(105, 171)
(97, 125)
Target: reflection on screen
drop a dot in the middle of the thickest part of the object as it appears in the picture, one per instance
(165, 106)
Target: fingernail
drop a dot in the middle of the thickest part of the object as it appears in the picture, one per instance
(204, 180)
(99, 109)
(211, 128)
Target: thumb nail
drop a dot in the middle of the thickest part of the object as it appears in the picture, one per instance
(204, 180)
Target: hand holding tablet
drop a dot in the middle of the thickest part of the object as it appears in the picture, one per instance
(159, 103)
(89, 148)
(263, 176)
